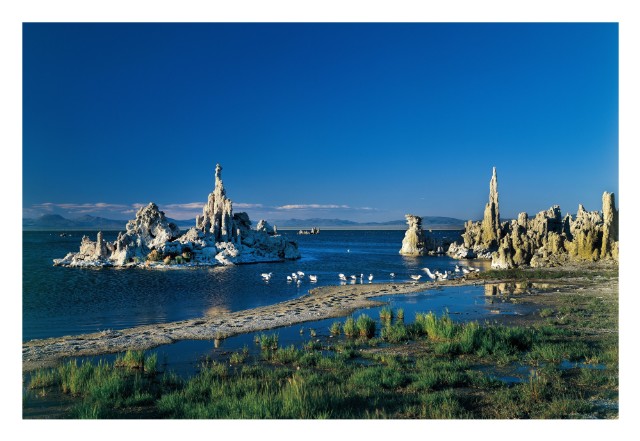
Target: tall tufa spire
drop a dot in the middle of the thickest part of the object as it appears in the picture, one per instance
(491, 221)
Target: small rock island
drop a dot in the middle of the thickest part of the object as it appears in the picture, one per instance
(546, 240)
(220, 237)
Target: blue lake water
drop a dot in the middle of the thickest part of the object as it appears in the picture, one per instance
(68, 301)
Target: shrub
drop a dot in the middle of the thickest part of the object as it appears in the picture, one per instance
(336, 328)
(167, 260)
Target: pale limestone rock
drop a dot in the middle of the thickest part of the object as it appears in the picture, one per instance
(414, 243)
(547, 239)
(490, 228)
(609, 227)
(263, 225)
(220, 237)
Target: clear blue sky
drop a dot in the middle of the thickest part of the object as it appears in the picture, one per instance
(352, 121)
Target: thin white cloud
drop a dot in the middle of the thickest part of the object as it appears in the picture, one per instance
(320, 207)
(311, 207)
(244, 205)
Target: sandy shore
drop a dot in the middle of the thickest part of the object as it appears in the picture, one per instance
(319, 303)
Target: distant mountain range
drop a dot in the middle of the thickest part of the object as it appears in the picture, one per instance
(87, 222)
(428, 222)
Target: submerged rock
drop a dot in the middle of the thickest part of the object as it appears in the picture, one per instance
(220, 237)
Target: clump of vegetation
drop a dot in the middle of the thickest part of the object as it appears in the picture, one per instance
(268, 342)
(349, 327)
(400, 315)
(386, 314)
(239, 357)
(136, 360)
(366, 326)
(187, 255)
(546, 312)
(395, 333)
(167, 260)
(336, 328)
(435, 328)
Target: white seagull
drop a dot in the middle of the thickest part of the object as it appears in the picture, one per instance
(429, 273)
(342, 277)
(266, 276)
(300, 274)
(289, 279)
(392, 275)
(370, 277)
(313, 278)
(416, 278)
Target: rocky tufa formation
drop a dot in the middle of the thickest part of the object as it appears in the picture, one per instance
(548, 239)
(416, 242)
(220, 237)
(413, 243)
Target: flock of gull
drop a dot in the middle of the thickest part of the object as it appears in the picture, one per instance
(299, 276)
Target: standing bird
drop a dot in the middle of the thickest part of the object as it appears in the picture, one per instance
(342, 277)
(416, 278)
(370, 277)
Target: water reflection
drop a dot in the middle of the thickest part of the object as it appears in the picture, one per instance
(514, 288)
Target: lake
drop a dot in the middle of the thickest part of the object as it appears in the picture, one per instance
(60, 301)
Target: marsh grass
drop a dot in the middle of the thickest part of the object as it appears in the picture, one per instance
(131, 360)
(268, 342)
(366, 326)
(239, 357)
(336, 328)
(386, 315)
(349, 327)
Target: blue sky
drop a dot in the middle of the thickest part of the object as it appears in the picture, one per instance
(356, 121)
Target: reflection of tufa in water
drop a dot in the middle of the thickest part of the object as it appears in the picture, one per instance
(220, 237)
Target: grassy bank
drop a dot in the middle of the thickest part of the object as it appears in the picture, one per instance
(563, 364)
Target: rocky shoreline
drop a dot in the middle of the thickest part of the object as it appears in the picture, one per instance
(320, 303)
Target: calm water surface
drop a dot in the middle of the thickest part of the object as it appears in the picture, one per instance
(67, 301)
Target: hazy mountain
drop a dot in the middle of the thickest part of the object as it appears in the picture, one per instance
(86, 222)
(428, 222)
